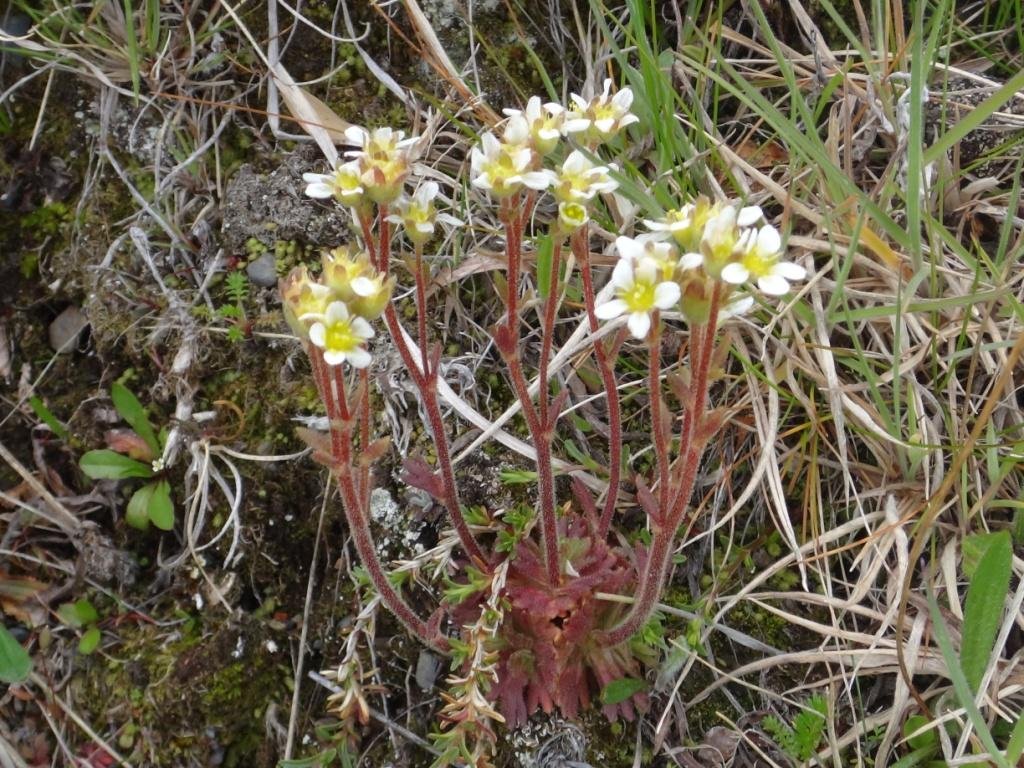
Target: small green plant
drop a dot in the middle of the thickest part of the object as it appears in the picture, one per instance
(82, 615)
(236, 285)
(800, 740)
(135, 453)
(15, 663)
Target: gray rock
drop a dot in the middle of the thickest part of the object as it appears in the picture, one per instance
(66, 329)
(263, 271)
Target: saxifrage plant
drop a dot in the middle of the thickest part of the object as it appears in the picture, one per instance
(521, 618)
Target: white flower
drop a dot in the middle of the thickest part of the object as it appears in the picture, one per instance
(602, 117)
(418, 215)
(749, 215)
(503, 168)
(344, 184)
(342, 337)
(579, 180)
(384, 159)
(662, 255)
(638, 293)
(759, 260)
(544, 123)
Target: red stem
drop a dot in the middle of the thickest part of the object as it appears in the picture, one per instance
(359, 526)
(652, 581)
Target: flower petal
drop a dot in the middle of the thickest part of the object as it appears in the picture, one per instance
(773, 285)
(358, 357)
(336, 312)
(790, 271)
(536, 180)
(629, 248)
(735, 273)
(610, 309)
(334, 357)
(691, 260)
(622, 275)
(639, 324)
(318, 334)
(768, 240)
(736, 308)
(666, 295)
(361, 328)
(749, 216)
(319, 190)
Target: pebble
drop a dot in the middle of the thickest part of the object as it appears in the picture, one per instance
(263, 271)
(66, 328)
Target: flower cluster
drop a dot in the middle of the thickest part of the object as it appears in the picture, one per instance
(677, 264)
(333, 313)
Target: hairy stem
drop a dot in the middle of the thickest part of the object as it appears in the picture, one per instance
(658, 437)
(652, 580)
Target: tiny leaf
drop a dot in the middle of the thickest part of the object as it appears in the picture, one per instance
(90, 640)
(137, 514)
(617, 691)
(983, 608)
(15, 663)
(131, 410)
(105, 464)
(161, 508)
(545, 252)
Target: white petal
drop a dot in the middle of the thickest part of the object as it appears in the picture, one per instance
(639, 324)
(318, 334)
(361, 328)
(735, 273)
(666, 295)
(426, 192)
(575, 163)
(773, 285)
(319, 190)
(447, 218)
(477, 159)
(628, 120)
(768, 240)
(312, 178)
(629, 248)
(691, 260)
(579, 101)
(336, 312)
(516, 130)
(333, 357)
(623, 99)
(424, 227)
(482, 181)
(358, 357)
(356, 135)
(575, 125)
(736, 308)
(790, 271)
(605, 124)
(749, 216)
(548, 134)
(646, 269)
(491, 144)
(622, 275)
(536, 180)
(610, 309)
(363, 286)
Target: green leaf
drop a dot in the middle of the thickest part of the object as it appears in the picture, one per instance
(90, 641)
(105, 464)
(131, 410)
(1015, 747)
(46, 416)
(137, 514)
(15, 663)
(161, 508)
(617, 691)
(960, 685)
(972, 548)
(921, 740)
(983, 609)
(517, 476)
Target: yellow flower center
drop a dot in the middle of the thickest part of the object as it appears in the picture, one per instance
(639, 297)
(759, 264)
(339, 337)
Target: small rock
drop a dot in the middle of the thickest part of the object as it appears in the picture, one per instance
(66, 329)
(263, 271)
(428, 667)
